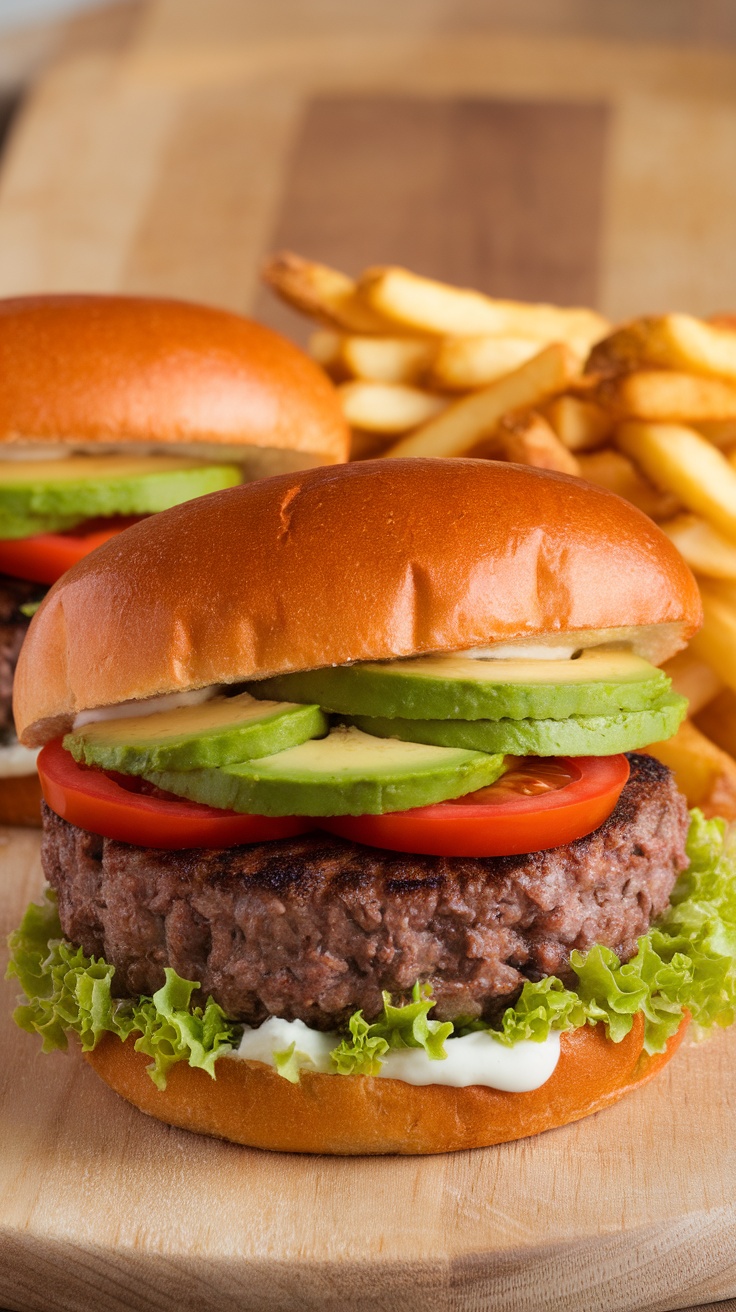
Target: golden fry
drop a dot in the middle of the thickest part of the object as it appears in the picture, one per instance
(717, 720)
(704, 773)
(422, 303)
(323, 293)
(527, 439)
(325, 347)
(694, 679)
(387, 407)
(465, 363)
(703, 547)
(716, 641)
(669, 341)
(614, 471)
(581, 425)
(680, 461)
(722, 433)
(468, 421)
(667, 397)
(387, 359)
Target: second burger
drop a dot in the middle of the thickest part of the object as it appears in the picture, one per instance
(113, 408)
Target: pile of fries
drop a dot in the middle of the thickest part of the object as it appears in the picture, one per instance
(647, 410)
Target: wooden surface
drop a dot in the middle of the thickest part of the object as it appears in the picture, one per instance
(529, 149)
(101, 1208)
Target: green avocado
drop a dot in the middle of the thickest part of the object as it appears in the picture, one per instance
(579, 735)
(216, 732)
(49, 496)
(346, 773)
(460, 688)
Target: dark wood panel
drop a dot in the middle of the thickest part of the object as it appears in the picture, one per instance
(501, 195)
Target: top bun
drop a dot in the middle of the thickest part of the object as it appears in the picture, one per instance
(368, 561)
(96, 373)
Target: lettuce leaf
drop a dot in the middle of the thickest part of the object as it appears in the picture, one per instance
(399, 1027)
(69, 993)
(687, 961)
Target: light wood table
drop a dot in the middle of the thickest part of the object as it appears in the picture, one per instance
(553, 161)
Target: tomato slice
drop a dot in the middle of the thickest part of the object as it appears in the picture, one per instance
(102, 805)
(45, 557)
(538, 804)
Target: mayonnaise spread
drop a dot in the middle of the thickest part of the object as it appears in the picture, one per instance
(472, 1059)
(149, 706)
(17, 760)
(509, 651)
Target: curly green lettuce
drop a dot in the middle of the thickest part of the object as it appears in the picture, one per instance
(409, 1026)
(69, 993)
(687, 962)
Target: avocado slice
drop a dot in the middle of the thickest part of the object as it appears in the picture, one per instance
(48, 496)
(579, 735)
(216, 732)
(460, 688)
(346, 773)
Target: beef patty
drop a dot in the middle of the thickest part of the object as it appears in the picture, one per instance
(315, 927)
(13, 624)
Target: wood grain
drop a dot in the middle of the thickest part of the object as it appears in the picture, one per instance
(80, 165)
(506, 197)
(101, 1207)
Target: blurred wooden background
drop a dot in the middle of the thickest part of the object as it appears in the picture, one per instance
(578, 150)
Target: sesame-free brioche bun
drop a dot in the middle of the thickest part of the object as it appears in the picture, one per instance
(249, 1103)
(359, 562)
(138, 374)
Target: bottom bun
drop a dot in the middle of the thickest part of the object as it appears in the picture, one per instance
(20, 800)
(249, 1103)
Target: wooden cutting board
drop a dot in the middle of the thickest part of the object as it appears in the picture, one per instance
(102, 1208)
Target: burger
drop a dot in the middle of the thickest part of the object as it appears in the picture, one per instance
(114, 407)
(350, 841)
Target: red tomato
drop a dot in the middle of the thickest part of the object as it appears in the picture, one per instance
(45, 557)
(101, 804)
(539, 803)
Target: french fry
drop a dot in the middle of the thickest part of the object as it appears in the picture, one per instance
(703, 547)
(325, 347)
(387, 407)
(717, 720)
(387, 359)
(680, 461)
(704, 773)
(614, 471)
(581, 425)
(669, 341)
(694, 679)
(664, 397)
(716, 641)
(464, 363)
(525, 438)
(322, 293)
(468, 421)
(722, 433)
(421, 303)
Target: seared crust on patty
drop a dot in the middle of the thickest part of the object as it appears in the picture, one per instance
(316, 927)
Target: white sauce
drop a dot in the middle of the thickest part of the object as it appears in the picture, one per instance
(509, 651)
(17, 760)
(473, 1059)
(149, 706)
